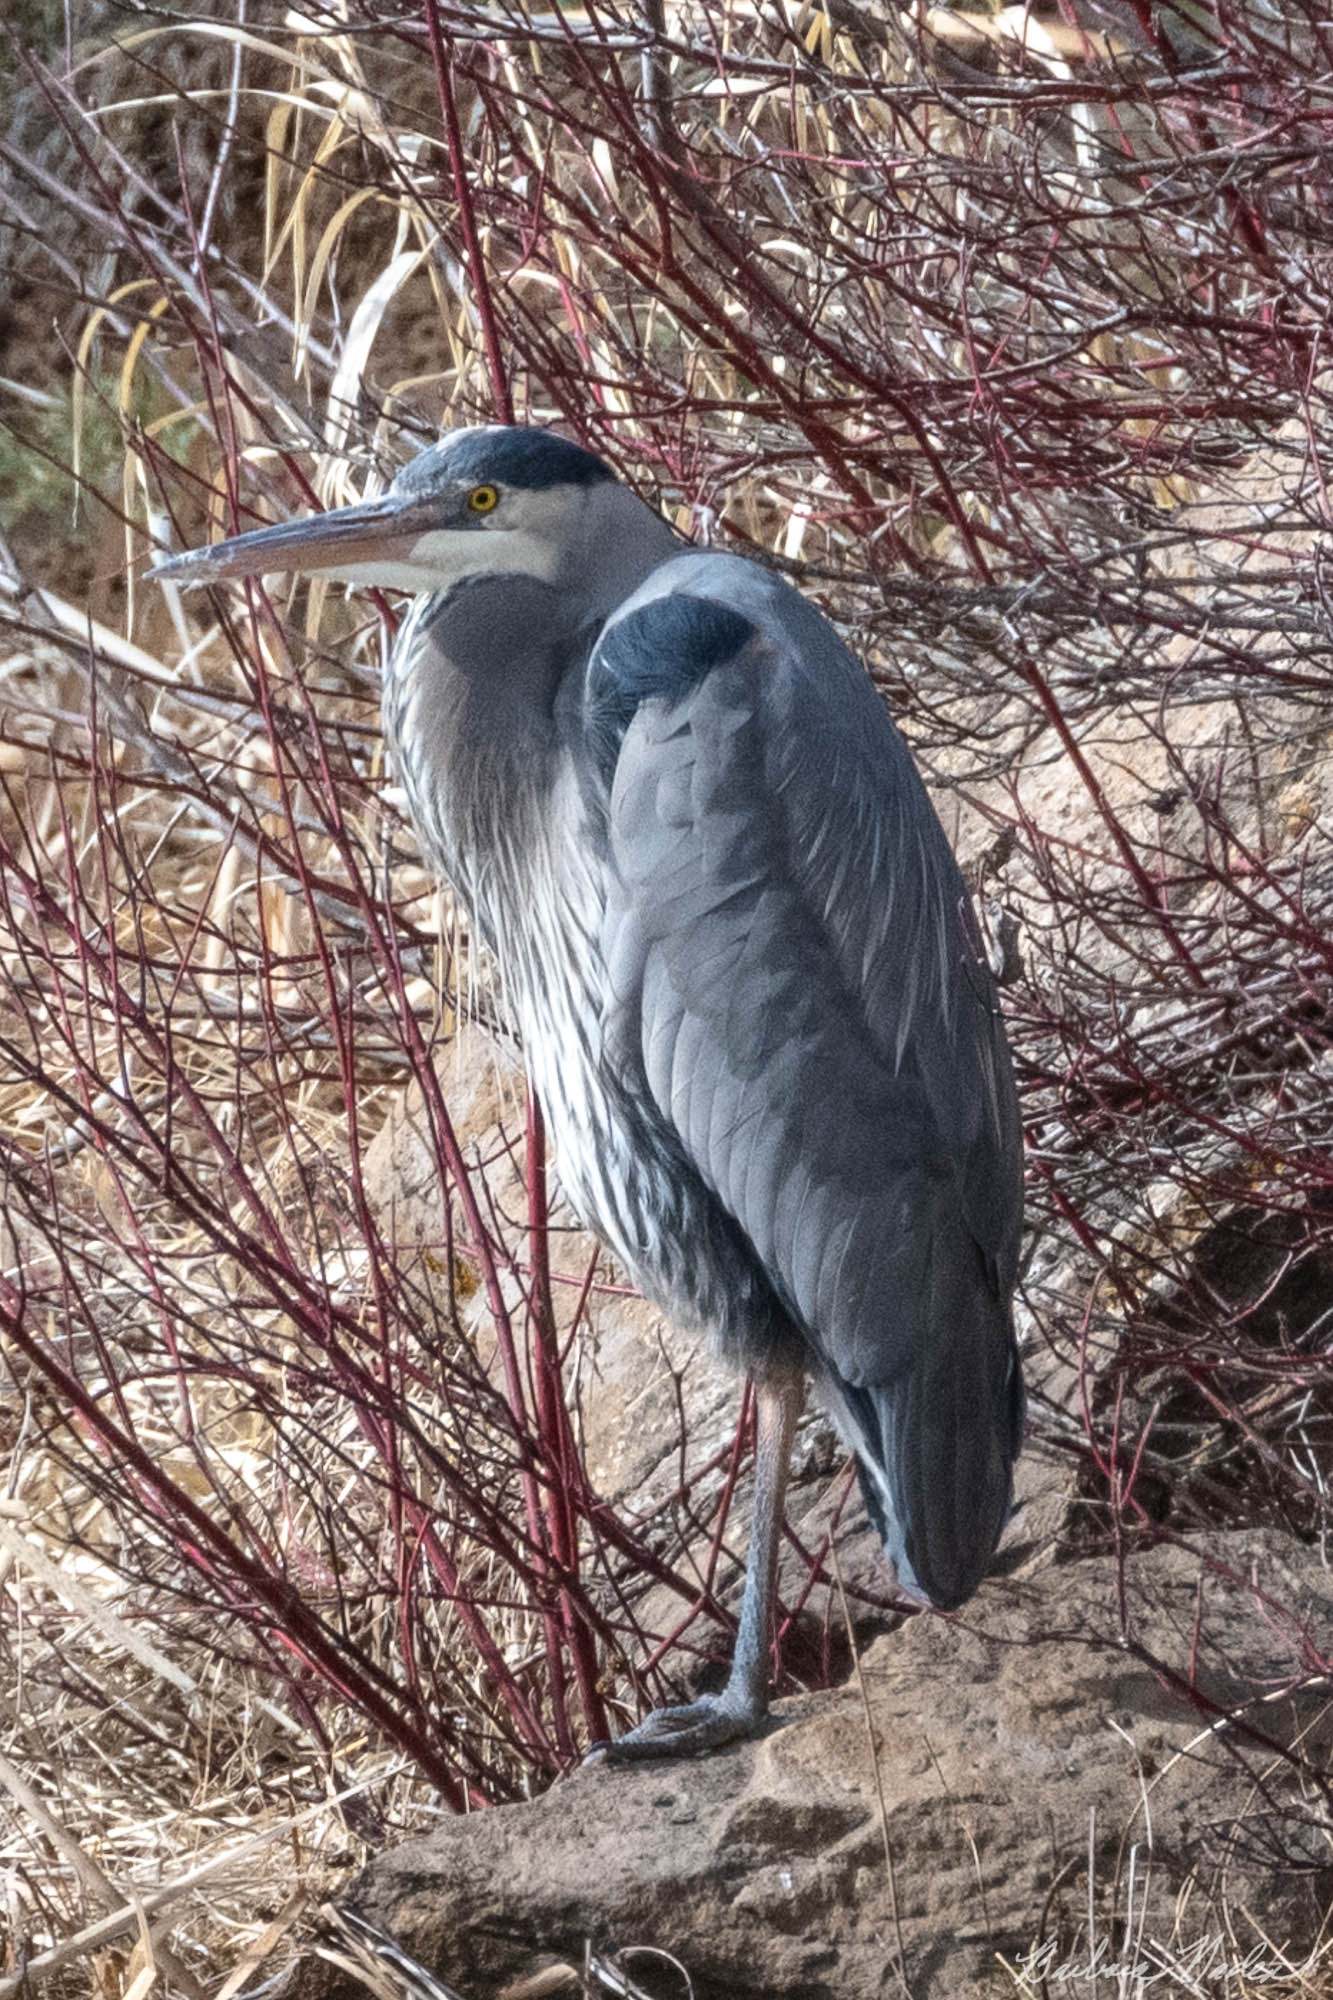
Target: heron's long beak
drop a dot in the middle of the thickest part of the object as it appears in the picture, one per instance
(351, 542)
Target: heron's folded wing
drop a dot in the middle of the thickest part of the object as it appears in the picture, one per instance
(793, 965)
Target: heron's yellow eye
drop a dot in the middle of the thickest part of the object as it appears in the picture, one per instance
(484, 499)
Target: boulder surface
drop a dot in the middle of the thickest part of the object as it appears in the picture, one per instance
(996, 1797)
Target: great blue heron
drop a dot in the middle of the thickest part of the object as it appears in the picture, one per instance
(743, 964)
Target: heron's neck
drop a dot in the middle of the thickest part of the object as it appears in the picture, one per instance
(470, 715)
(472, 697)
(621, 542)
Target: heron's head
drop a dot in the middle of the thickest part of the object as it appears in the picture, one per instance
(506, 501)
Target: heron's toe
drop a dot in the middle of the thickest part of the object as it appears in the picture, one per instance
(688, 1731)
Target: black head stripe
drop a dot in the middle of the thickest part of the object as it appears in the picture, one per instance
(520, 456)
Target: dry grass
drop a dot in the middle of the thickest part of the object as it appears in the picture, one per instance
(1006, 341)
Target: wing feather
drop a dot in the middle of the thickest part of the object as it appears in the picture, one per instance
(795, 980)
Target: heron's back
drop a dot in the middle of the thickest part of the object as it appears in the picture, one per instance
(796, 985)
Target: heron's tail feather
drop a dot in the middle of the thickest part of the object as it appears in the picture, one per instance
(935, 1450)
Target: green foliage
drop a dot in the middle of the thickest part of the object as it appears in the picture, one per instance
(37, 453)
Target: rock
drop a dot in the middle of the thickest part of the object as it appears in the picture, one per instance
(1017, 1746)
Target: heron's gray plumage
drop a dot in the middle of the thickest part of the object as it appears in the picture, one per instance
(742, 960)
(795, 989)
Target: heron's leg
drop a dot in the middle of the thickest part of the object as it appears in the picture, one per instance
(743, 1702)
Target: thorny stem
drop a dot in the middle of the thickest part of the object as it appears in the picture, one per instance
(501, 399)
(212, 1549)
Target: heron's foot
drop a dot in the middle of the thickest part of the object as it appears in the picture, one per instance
(687, 1731)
